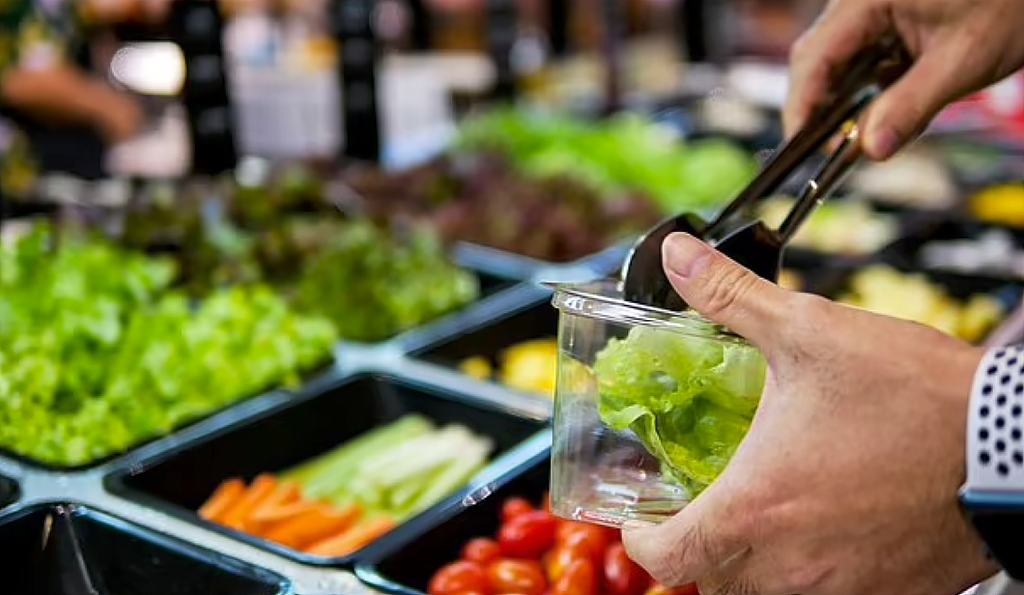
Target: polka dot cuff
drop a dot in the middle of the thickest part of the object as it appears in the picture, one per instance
(995, 439)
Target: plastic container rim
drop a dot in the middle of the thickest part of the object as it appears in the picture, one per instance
(592, 300)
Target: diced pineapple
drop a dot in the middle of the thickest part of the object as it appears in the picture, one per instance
(531, 366)
(476, 367)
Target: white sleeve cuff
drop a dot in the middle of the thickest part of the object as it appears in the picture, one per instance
(995, 424)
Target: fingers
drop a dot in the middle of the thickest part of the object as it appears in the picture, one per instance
(840, 32)
(723, 291)
(906, 108)
(695, 543)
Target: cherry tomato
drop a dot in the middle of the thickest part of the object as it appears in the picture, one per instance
(584, 537)
(528, 535)
(522, 577)
(481, 550)
(557, 560)
(458, 578)
(623, 576)
(514, 507)
(660, 589)
(579, 578)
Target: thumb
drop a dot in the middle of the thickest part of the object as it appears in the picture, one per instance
(906, 108)
(723, 291)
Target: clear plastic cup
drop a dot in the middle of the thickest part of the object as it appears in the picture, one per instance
(650, 405)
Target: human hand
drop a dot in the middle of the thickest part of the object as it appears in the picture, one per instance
(119, 117)
(960, 46)
(847, 480)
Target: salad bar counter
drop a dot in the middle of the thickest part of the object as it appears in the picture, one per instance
(341, 383)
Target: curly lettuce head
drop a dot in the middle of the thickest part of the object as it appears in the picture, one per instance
(688, 399)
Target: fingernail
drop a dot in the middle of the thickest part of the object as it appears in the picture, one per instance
(883, 143)
(684, 255)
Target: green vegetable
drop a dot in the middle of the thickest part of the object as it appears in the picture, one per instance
(371, 282)
(396, 470)
(689, 399)
(374, 286)
(97, 354)
(625, 153)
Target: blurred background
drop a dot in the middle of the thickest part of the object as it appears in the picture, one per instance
(238, 237)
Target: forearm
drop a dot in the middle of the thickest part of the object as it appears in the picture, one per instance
(57, 92)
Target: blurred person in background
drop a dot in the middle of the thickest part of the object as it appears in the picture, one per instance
(47, 98)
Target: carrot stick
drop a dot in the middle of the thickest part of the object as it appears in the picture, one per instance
(313, 526)
(261, 487)
(352, 540)
(280, 504)
(223, 499)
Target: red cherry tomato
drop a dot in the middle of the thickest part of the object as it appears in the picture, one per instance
(459, 578)
(522, 577)
(514, 507)
(579, 578)
(481, 550)
(556, 561)
(623, 576)
(584, 537)
(528, 535)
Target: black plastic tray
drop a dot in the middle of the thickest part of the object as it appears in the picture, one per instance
(474, 316)
(66, 549)
(533, 319)
(906, 251)
(406, 562)
(10, 491)
(178, 482)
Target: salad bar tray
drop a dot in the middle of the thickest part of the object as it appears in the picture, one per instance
(179, 481)
(413, 432)
(64, 548)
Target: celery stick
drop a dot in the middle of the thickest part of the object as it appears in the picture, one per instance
(447, 444)
(382, 463)
(324, 474)
(405, 426)
(404, 495)
(457, 474)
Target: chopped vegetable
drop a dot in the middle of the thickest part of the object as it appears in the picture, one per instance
(97, 353)
(261, 489)
(374, 286)
(222, 501)
(530, 366)
(550, 555)
(1002, 204)
(840, 227)
(625, 153)
(689, 400)
(913, 297)
(994, 252)
(342, 500)
(351, 541)
(313, 525)
(481, 198)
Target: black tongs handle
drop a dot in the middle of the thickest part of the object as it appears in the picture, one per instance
(872, 70)
(821, 184)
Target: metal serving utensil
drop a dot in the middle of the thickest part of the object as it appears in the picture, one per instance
(735, 231)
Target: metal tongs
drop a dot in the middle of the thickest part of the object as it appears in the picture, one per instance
(735, 231)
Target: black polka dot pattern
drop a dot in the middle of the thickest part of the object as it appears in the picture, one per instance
(999, 416)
